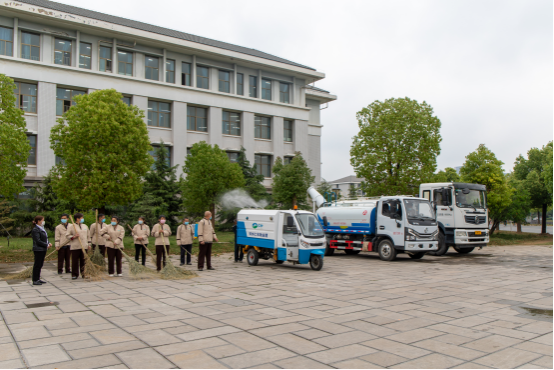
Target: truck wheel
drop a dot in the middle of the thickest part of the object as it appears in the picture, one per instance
(443, 248)
(351, 251)
(252, 257)
(329, 251)
(416, 256)
(316, 262)
(386, 250)
(464, 250)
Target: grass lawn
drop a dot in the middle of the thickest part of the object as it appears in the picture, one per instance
(20, 249)
(500, 238)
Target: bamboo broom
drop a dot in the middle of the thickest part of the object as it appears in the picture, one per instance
(91, 270)
(169, 271)
(135, 268)
(28, 272)
(97, 257)
(145, 247)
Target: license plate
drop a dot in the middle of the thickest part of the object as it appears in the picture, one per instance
(477, 233)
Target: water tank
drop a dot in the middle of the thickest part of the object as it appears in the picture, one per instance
(347, 218)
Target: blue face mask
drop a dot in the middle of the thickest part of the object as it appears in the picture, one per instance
(103, 220)
(83, 220)
(64, 221)
(114, 223)
(140, 222)
(210, 217)
(186, 223)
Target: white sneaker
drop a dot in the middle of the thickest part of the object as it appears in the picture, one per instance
(120, 275)
(111, 275)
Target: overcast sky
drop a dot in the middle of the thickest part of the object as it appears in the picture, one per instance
(484, 66)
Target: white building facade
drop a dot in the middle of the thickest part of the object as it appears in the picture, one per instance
(191, 89)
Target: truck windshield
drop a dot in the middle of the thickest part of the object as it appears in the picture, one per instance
(473, 198)
(419, 209)
(310, 226)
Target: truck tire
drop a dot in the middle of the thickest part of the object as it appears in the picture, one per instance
(443, 248)
(316, 262)
(351, 252)
(464, 250)
(386, 250)
(252, 256)
(329, 251)
(416, 256)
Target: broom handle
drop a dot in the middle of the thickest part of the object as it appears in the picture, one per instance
(163, 242)
(75, 227)
(97, 231)
(57, 250)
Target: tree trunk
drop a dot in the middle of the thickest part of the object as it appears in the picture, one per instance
(538, 217)
(544, 210)
(495, 224)
(293, 201)
(518, 227)
(102, 210)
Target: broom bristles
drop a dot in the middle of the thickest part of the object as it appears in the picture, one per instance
(136, 268)
(170, 272)
(97, 258)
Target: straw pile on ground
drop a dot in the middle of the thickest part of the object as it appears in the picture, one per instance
(135, 268)
(170, 272)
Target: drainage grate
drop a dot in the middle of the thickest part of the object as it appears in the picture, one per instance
(44, 304)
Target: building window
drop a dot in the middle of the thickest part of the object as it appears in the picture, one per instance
(6, 41)
(124, 63)
(287, 160)
(32, 159)
(62, 52)
(288, 129)
(240, 84)
(126, 100)
(197, 119)
(85, 53)
(26, 97)
(105, 59)
(231, 123)
(284, 93)
(262, 127)
(65, 99)
(30, 46)
(188, 152)
(266, 89)
(202, 77)
(26, 194)
(153, 154)
(233, 157)
(185, 75)
(152, 68)
(263, 164)
(60, 161)
(170, 71)
(159, 114)
(253, 93)
(224, 81)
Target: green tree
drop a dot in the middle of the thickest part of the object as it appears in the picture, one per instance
(482, 167)
(352, 192)
(209, 173)
(324, 187)
(449, 174)
(14, 146)
(520, 206)
(291, 182)
(397, 146)
(536, 172)
(46, 202)
(253, 181)
(104, 144)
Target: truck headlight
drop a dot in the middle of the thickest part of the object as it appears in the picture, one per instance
(461, 233)
(410, 237)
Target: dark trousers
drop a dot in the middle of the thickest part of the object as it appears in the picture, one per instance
(184, 249)
(138, 248)
(114, 255)
(39, 262)
(161, 255)
(205, 252)
(63, 256)
(102, 249)
(239, 254)
(77, 262)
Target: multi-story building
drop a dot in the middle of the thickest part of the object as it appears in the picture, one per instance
(192, 88)
(342, 186)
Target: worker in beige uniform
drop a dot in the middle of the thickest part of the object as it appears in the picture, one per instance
(114, 233)
(206, 236)
(141, 232)
(60, 240)
(185, 234)
(159, 230)
(98, 225)
(77, 254)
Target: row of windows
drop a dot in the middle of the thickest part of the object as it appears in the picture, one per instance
(30, 49)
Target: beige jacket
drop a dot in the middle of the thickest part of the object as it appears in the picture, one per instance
(185, 234)
(83, 231)
(93, 227)
(157, 233)
(206, 232)
(59, 236)
(113, 235)
(143, 231)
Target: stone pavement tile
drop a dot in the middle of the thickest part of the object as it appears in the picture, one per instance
(355, 363)
(53, 340)
(545, 339)
(156, 337)
(281, 329)
(339, 319)
(432, 361)
(84, 329)
(513, 333)
(161, 325)
(539, 327)
(204, 323)
(4, 340)
(468, 322)
(118, 366)
(286, 320)
(300, 362)
(464, 332)
(341, 340)
(195, 360)
(112, 336)
(80, 344)
(12, 364)
(265, 366)
(507, 358)
(8, 351)
(310, 312)
(544, 361)
(535, 347)
(257, 358)
(194, 345)
(30, 333)
(409, 324)
(296, 344)
(179, 329)
(276, 312)
(18, 317)
(414, 335)
(453, 339)
(341, 353)
(104, 350)
(243, 323)
(99, 362)
(396, 348)
(44, 355)
(470, 365)
(492, 343)
(88, 320)
(247, 341)
(311, 333)
(371, 328)
(224, 351)
(327, 326)
(463, 353)
(383, 359)
(214, 332)
(146, 358)
(380, 320)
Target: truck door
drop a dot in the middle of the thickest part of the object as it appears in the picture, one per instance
(442, 199)
(290, 237)
(389, 220)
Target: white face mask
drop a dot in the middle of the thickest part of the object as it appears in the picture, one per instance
(43, 223)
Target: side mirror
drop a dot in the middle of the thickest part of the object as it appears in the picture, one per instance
(325, 221)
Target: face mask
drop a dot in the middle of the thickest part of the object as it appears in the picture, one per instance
(140, 222)
(114, 223)
(82, 220)
(103, 220)
(64, 221)
(210, 217)
(43, 223)
(162, 222)
(186, 223)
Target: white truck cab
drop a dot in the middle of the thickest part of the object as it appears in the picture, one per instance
(462, 214)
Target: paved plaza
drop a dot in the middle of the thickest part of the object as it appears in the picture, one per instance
(489, 309)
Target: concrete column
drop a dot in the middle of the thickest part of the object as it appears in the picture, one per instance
(193, 72)
(162, 69)
(214, 79)
(248, 135)
(114, 56)
(233, 81)
(302, 97)
(275, 90)
(178, 71)
(47, 49)
(46, 109)
(215, 126)
(246, 84)
(75, 61)
(94, 63)
(142, 103)
(277, 137)
(259, 84)
(179, 126)
(16, 38)
(300, 136)
(140, 62)
(292, 90)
